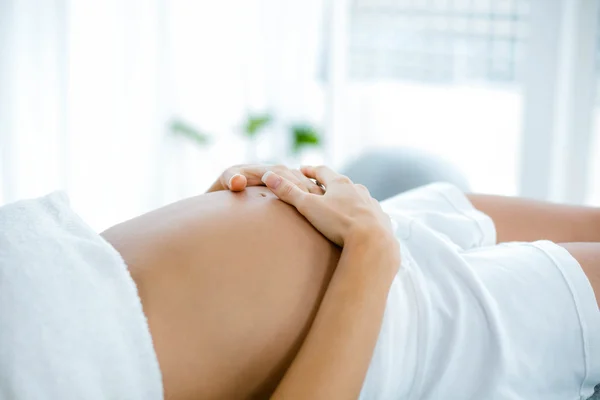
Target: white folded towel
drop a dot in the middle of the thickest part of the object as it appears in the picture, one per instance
(71, 322)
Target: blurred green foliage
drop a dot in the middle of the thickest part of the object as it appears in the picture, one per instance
(304, 135)
(256, 123)
(181, 128)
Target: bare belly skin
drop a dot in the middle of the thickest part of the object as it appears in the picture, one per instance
(230, 283)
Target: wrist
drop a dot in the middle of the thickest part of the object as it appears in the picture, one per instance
(377, 242)
(370, 234)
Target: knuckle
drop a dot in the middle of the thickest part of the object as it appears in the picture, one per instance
(298, 175)
(342, 179)
(279, 167)
(320, 168)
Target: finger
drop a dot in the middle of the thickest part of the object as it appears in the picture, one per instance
(295, 178)
(237, 183)
(311, 185)
(284, 189)
(293, 175)
(231, 178)
(254, 173)
(363, 189)
(238, 177)
(319, 185)
(314, 188)
(324, 175)
(304, 183)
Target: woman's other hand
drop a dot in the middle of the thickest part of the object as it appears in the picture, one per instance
(334, 358)
(345, 210)
(238, 177)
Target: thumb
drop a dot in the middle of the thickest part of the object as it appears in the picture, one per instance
(284, 189)
(234, 180)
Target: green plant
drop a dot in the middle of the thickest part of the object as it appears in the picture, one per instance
(304, 135)
(256, 123)
(181, 128)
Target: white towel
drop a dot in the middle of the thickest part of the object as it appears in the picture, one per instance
(71, 322)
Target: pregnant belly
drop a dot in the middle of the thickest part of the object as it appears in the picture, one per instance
(230, 283)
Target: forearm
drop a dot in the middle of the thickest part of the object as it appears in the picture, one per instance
(518, 219)
(334, 358)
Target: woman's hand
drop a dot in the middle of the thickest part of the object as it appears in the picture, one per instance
(238, 177)
(334, 358)
(344, 210)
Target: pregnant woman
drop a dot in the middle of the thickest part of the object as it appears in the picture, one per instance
(313, 291)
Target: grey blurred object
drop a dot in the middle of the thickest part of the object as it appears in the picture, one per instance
(387, 172)
(596, 396)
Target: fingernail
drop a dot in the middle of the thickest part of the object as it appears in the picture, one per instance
(231, 180)
(273, 181)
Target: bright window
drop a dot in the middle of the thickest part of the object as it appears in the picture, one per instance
(442, 76)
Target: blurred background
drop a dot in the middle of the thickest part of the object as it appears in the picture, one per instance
(131, 104)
